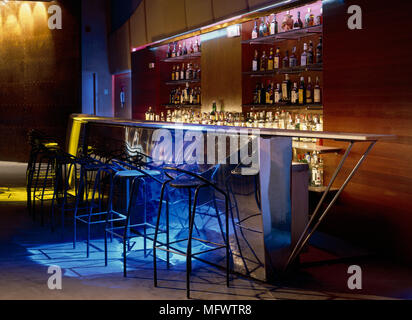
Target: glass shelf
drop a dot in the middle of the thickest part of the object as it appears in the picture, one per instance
(285, 106)
(180, 82)
(293, 70)
(191, 56)
(287, 35)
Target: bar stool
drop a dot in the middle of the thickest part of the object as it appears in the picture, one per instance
(103, 175)
(190, 182)
(128, 231)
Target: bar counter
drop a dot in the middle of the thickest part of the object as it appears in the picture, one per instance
(270, 222)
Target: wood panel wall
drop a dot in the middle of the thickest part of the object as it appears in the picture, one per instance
(40, 73)
(367, 76)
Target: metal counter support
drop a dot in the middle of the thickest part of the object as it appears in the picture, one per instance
(306, 235)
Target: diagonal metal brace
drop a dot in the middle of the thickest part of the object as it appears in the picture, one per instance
(306, 235)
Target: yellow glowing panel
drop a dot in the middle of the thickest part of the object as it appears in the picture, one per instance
(26, 18)
(12, 26)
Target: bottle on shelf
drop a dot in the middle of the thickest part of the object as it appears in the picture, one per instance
(162, 117)
(317, 95)
(309, 19)
(287, 23)
(262, 94)
(255, 62)
(174, 52)
(294, 96)
(302, 91)
(182, 72)
(319, 18)
(189, 72)
(255, 31)
(271, 60)
(184, 48)
(304, 56)
(269, 93)
(177, 76)
(286, 89)
(310, 54)
(298, 23)
(285, 60)
(262, 28)
(149, 115)
(263, 62)
(257, 94)
(319, 53)
(293, 61)
(266, 30)
(169, 52)
(173, 73)
(196, 47)
(213, 114)
(278, 94)
(309, 91)
(274, 26)
(180, 50)
(277, 59)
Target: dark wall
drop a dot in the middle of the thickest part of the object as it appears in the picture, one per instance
(39, 73)
(367, 89)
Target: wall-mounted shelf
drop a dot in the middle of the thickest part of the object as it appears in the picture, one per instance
(293, 70)
(191, 56)
(171, 106)
(285, 106)
(287, 35)
(180, 82)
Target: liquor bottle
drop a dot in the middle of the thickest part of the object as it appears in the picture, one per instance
(169, 116)
(317, 95)
(177, 77)
(190, 49)
(309, 19)
(148, 114)
(278, 94)
(274, 26)
(184, 51)
(285, 61)
(277, 59)
(213, 114)
(309, 91)
(174, 73)
(256, 94)
(293, 61)
(262, 27)
(304, 56)
(266, 30)
(255, 62)
(172, 97)
(271, 60)
(180, 51)
(298, 23)
(198, 96)
(196, 47)
(169, 52)
(302, 91)
(269, 93)
(262, 94)
(162, 117)
(182, 72)
(294, 96)
(287, 23)
(186, 93)
(189, 72)
(286, 89)
(263, 62)
(319, 54)
(174, 53)
(255, 31)
(319, 18)
(310, 54)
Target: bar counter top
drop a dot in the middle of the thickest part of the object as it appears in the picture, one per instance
(265, 132)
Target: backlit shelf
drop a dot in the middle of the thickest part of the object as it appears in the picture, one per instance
(287, 35)
(293, 70)
(191, 56)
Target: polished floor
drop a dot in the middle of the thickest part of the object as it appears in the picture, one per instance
(27, 250)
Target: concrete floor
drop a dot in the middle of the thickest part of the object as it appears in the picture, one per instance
(27, 250)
